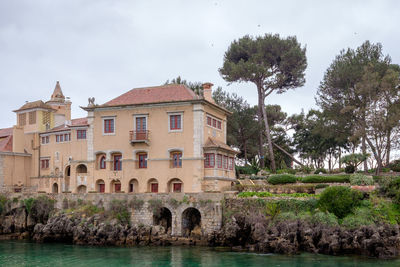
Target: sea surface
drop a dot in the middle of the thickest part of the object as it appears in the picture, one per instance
(22, 253)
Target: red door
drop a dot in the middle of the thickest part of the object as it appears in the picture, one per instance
(102, 188)
(117, 187)
(177, 187)
(154, 188)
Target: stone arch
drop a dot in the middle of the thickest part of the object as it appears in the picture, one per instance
(175, 185)
(67, 171)
(81, 168)
(81, 189)
(67, 177)
(152, 185)
(115, 186)
(100, 186)
(133, 186)
(191, 222)
(163, 217)
(54, 189)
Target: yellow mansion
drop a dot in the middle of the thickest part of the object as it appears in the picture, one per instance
(154, 139)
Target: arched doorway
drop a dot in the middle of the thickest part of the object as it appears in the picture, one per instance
(115, 186)
(67, 177)
(191, 222)
(100, 186)
(81, 189)
(55, 188)
(133, 186)
(164, 218)
(175, 185)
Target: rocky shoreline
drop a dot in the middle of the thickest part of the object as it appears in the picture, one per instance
(240, 232)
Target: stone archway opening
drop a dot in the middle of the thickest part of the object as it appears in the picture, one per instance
(55, 188)
(191, 222)
(163, 218)
(100, 186)
(81, 189)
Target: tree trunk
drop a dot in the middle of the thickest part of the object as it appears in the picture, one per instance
(364, 151)
(340, 158)
(261, 98)
(260, 137)
(376, 154)
(388, 147)
(245, 152)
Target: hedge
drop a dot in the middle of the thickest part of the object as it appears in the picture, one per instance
(326, 179)
(282, 179)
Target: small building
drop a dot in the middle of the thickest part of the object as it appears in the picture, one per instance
(155, 139)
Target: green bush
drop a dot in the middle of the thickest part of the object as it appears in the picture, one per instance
(286, 216)
(281, 179)
(324, 218)
(339, 200)
(344, 178)
(297, 206)
(361, 179)
(349, 169)
(3, 204)
(119, 209)
(268, 194)
(288, 171)
(320, 170)
(320, 186)
(39, 208)
(362, 216)
(394, 165)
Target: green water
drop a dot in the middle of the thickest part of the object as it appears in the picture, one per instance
(17, 253)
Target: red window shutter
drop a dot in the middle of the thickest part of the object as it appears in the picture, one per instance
(154, 188)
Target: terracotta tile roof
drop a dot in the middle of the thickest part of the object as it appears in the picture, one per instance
(6, 139)
(214, 143)
(74, 123)
(156, 94)
(79, 122)
(6, 132)
(34, 104)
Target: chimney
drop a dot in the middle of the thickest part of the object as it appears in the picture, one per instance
(207, 91)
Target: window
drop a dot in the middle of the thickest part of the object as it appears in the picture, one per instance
(63, 137)
(108, 126)
(176, 158)
(213, 122)
(142, 160)
(117, 162)
(175, 122)
(32, 117)
(231, 163)
(22, 119)
(225, 162)
(209, 161)
(219, 161)
(141, 124)
(44, 163)
(81, 134)
(67, 137)
(102, 163)
(45, 140)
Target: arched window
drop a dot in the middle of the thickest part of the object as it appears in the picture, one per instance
(81, 168)
(102, 163)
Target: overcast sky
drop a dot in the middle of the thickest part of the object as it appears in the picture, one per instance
(103, 48)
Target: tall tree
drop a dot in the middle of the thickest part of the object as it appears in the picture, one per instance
(272, 63)
(197, 87)
(354, 89)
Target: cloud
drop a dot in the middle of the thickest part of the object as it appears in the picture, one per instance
(103, 48)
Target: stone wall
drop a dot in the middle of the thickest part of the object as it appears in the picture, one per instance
(207, 204)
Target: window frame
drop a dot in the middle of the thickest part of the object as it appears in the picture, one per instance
(109, 118)
(209, 160)
(176, 163)
(142, 162)
(81, 134)
(117, 162)
(45, 164)
(219, 161)
(214, 122)
(231, 163)
(174, 128)
(225, 162)
(102, 162)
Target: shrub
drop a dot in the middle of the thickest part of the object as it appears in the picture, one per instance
(272, 210)
(297, 206)
(394, 165)
(119, 210)
(136, 203)
(326, 179)
(320, 170)
(361, 179)
(320, 186)
(3, 204)
(288, 171)
(155, 206)
(268, 194)
(339, 200)
(362, 216)
(286, 216)
(349, 169)
(282, 179)
(39, 208)
(324, 218)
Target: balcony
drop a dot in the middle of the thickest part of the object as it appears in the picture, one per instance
(139, 137)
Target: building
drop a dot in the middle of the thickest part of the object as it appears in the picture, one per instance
(154, 139)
